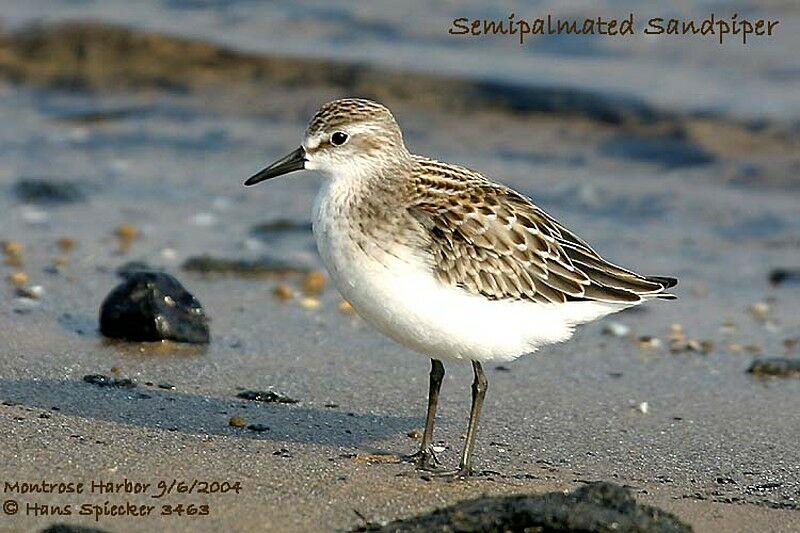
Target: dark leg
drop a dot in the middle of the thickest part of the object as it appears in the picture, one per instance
(425, 457)
(479, 387)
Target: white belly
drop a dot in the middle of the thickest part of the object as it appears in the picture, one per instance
(402, 298)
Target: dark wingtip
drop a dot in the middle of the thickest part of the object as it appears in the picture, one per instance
(665, 281)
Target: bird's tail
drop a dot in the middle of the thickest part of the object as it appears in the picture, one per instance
(666, 282)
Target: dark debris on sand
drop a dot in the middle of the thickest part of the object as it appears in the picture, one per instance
(101, 380)
(783, 367)
(265, 396)
(70, 528)
(48, 191)
(280, 226)
(596, 507)
(263, 266)
(781, 276)
(153, 306)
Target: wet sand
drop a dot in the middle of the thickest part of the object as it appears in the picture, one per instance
(715, 207)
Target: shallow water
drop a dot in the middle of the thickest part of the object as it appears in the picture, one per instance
(759, 79)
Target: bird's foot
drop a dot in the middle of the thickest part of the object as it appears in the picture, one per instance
(459, 474)
(423, 459)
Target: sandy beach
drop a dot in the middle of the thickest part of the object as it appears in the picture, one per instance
(156, 133)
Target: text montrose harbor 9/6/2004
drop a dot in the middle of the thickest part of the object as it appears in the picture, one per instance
(712, 26)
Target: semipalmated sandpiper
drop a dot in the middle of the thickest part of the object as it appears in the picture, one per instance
(444, 260)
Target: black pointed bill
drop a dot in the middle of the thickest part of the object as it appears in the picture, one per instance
(290, 163)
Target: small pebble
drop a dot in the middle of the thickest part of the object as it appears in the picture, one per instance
(283, 292)
(34, 216)
(27, 302)
(18, 278)
(647, 342)
(643, 407)
(310, 303)
(258, 428)
(438, 449)
(314, 283)
(66, 244)
(760, 310)
(415, 434)
(617, 329)
(13, 248)
(707, 346)
(169, 254)
(13, 252)
(345, 307)
(126, 234)
(237, 421)
(204, 219)
(693, 345)
(34, 292)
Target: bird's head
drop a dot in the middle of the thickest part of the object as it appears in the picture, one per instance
(349, 137)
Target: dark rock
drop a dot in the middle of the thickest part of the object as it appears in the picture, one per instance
(206, 264)
(779, 276)
(153, 306)
(258, 428)
(265, 396)
(47, 191)
(70, 528)
(102, 380)
(596, 507)
(783, 367)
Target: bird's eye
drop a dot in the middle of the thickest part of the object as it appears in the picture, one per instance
(338, 138)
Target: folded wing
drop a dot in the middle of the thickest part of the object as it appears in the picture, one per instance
(493, 241)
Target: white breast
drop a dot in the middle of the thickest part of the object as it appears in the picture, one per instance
(399, 295)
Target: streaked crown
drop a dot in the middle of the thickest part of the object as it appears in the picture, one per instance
(350, 111)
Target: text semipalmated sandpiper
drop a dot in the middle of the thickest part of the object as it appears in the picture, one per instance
(444, 260)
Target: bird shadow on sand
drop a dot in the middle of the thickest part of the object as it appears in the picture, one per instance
(169, 410)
